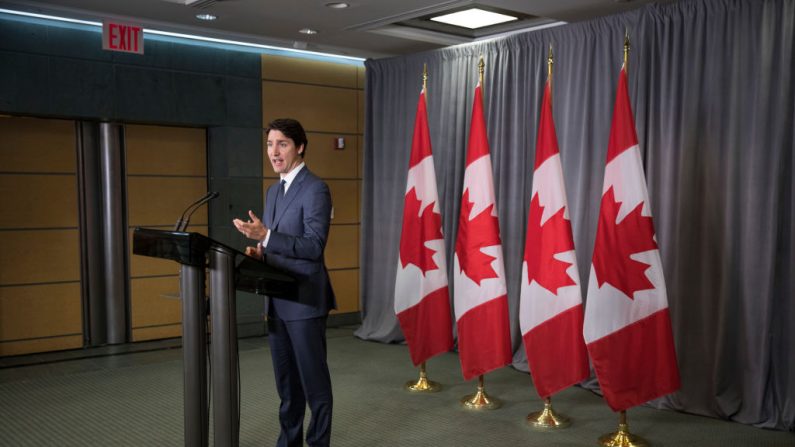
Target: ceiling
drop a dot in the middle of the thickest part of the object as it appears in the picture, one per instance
(367, 28)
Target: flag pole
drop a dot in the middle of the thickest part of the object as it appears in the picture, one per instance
(548, 419)
(423, 385)
(623, 438)
(424, 77)
(480, 400)
(626, 48)
(481, 67)
(550, 62)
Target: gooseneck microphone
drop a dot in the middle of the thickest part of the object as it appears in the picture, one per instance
(184, 219)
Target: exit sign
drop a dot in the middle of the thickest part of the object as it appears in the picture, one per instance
(122, 37)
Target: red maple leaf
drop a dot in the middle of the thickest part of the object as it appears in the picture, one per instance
(542, 243)
(417, 230)
(473, 235)
(616, 242)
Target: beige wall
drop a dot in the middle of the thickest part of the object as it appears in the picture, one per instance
(166, 171)
(328, 99)
(40, 307)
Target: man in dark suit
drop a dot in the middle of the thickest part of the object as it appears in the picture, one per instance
(292, 235)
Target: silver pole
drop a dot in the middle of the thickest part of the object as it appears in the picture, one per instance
(224, 347)
(114, 231)
(194, 355)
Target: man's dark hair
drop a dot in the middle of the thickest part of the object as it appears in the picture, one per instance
(291, 129)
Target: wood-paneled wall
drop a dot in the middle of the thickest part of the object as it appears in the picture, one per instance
(40, 308)
(328, 99)
(166, 171)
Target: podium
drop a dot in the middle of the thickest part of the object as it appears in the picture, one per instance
(229, 270)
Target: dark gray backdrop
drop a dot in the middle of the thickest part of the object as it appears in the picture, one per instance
(711, 89)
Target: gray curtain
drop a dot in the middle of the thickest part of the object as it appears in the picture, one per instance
(711, 88)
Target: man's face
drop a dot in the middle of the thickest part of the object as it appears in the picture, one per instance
(283, 154)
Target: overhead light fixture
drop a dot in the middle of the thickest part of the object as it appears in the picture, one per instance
(337, 5)
(308, 31)
(474, 18)
(205, 16)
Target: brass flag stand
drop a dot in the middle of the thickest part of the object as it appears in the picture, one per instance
(623, 438)
(422, 385)
(547, 419)
(480, 400)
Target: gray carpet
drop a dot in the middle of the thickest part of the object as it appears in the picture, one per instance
(136, 400)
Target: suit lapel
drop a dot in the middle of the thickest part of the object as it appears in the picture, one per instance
(270, 201)
(292, 192)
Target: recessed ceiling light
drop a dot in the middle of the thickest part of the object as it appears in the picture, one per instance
(309, 31)
(474, 18)
(207, 17)
(337, 5)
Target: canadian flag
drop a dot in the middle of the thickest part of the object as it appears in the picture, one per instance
(627, 324)
(550, 306)
(481, 300)
(422, 302)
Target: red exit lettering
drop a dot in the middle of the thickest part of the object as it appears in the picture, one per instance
(122, 37)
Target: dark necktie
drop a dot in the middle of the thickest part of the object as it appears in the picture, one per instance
(279, 197)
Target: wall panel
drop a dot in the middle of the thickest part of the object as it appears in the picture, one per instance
(157, 332)
(360, 157)
(172, 194)
(342, 249)
(328, 162)
(30, 201)
(58, 343)
(360, 111)
(40, 311)
(159, 150)
(40, 306)
(37, 145)
(308, 71)
(345, 199)
(346, 289)
(320, 109)
(167, 171)
(155, 301)
(33, 256)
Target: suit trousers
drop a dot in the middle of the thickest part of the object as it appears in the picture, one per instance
(298, 350)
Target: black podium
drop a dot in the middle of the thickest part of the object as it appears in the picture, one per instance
(229, 270)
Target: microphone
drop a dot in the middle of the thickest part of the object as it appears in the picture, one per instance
(184, 219)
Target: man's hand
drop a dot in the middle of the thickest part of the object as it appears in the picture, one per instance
(254, 252)
(253, 229)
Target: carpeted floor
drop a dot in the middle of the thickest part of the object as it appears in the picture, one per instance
(136, 400)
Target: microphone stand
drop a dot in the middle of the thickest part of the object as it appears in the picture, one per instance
(184, 219)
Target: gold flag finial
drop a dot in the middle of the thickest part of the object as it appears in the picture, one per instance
(550, 61)
(626, 47)
(424, 76)
(481, 66)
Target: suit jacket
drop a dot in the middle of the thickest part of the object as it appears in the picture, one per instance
(299, 227)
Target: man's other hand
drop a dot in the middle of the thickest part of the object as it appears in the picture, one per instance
(254, 252)
(253, 228)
